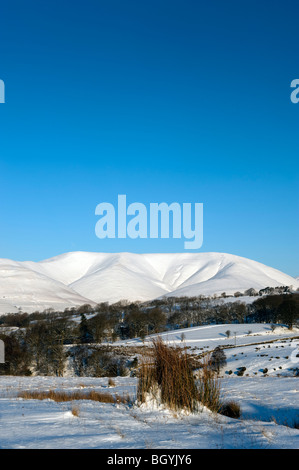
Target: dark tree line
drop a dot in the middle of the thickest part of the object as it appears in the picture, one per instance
(276, 309)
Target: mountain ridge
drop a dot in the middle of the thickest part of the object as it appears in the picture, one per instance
(74, 278)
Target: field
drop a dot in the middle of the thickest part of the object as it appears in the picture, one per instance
(266, 390)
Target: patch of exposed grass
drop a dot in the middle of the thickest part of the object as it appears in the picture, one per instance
(111, 382)
(78, 395)
(75, 411)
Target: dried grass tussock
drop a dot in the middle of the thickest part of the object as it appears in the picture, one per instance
(167, 377)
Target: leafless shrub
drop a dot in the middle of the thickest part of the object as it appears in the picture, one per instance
(230, 409)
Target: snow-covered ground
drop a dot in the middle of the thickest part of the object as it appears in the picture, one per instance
(255, 346)
(210, 336)
(75, 278)
(269, 403)
(269, 409)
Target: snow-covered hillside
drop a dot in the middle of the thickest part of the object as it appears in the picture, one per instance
(82, 277)
(211, 336)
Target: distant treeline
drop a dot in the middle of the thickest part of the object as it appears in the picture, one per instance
(42, 342)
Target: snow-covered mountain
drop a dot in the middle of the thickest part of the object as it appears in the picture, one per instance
(81, 277)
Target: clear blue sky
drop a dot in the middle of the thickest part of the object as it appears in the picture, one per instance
(185, 101)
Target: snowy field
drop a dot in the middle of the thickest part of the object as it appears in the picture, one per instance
(210, 336)
(268, 400)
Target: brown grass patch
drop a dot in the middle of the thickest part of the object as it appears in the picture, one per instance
(79, 395)
(75, 411)
(111, 382)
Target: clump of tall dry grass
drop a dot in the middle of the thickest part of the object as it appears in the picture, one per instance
(78, 395)
(208, 386)
(167, 376)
